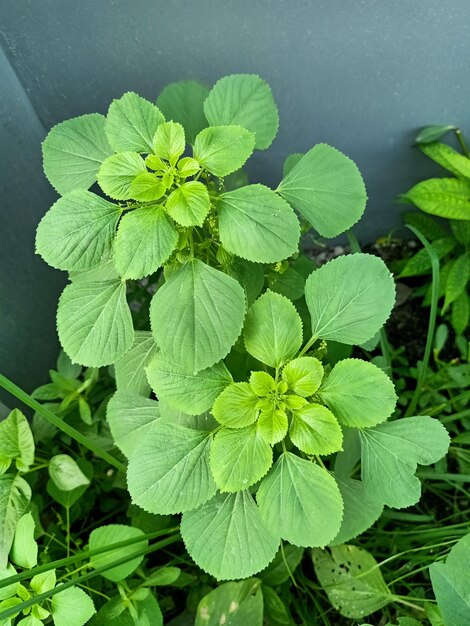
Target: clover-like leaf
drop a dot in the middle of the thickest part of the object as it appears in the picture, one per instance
(117, 173)
(189, 204)
(223, 149)
(114, 533)
(130, 417)
(314, 430)
(183, 102)
(130, 368)
(303, 375)
(236, 406)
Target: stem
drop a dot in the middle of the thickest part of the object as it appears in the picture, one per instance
(406, 603)
(67, 524)
(308, 345)
(462, 142)
(51, 417)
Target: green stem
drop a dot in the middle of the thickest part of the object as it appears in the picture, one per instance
(59, 423)
(308, 345)
(67, 523)
(462, 142)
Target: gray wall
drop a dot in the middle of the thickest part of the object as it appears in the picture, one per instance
(360, 75)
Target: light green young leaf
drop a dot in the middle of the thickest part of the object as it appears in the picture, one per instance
(65, 473)
(146, 187)
(30, 620)
(227, 538)
(420, 263)
(327, 189)
(290, 283)
(131, 123)
(223, 149)
(314, 430)
(169, 142)
(169, 471)
(245, 100)
(352, 580)
(273, 329)
(240, 457)
(391, 452)
(236, 406)
(162, 577)
(130, 368)
(15, 495)
(350, 298)
(183, 390)
(272, 426)
(189, 204)
(94, 322)
(207, 321)
(460, 313)
(43, 582)
(359, 393)
(131, 417)
(258, 225)
(77, 232)
(10, 590)
(235, 604)
(16, 442)
(262, 383)
(457, 279)
(300, 501)
(71, 607)
(445, 197)
(187, 166)
(303, 375)
(114, 533)
(446, 156)
(24, 550)
(145, 240)
(183, 102)
(73, 152)
(116, 174)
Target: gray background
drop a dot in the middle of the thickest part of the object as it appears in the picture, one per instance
(360, 75)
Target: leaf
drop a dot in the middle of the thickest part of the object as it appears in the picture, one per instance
(272, 426)
(187, 166)
(189, 204)
(8, 591)
(162, 577)
(131, 123)
(206, 321)
(73, 152)
(327, 189)
(457, 279)
(104, 271)
(445, 197)
(116, 174)
(65, 473)
(43, 582)
(284, 565)
(227, 538)
(448, 158)
(300, 501)
(183, 102)
(249, 275)
(290, 162)
(314, 430)
(428, 226)
(236, 406)
(290, 283)
(169, 471)
(232, 604)
(460, 313)
(77, 232)
(145, 240)
(352, 580)
(275, 609)
(239, 458)
(390, 453)
(146, 187)
(222, 150)
(114, 533)
(131, 417)
(257, 225)
(16, 441)
(350, 298)
(183, 390)
(420, 263)
(273, 330)
(461, 231)
(130, 368)
(15, 494)
(262, 383)
(432, 133)
(24, 550)
(303, 375)
(71, 607)
(169, 142)
(94, 322)
(359, 393)
(68, 498)
(245, 100)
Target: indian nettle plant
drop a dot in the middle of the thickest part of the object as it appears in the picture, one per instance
(250, 435)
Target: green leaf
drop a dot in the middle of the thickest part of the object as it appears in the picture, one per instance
(390, 453)
(183, 102)
(222, 150)
(428, 226)
(207, 318)
(68, 498)
(420, 263)
(446, 156)
(77, 232)
(359, 393)
(162, 577)
(350, 298)
(145, 240)
(249, 275)
(303, 375)
(445, 197)
(314, 430)
(275, 609)
(71, 607)
(236, 406)
(94, 322)
(131, 123)
(65, 473)
(460, 313)
(104, 271)
(239, 458)
(429, 134)
(273, 330)
(187, 166)
(457, 279)
(272, 426)
(114, 533)
(116, 174)
(289, 283)
(461, 231)
(183, 390)
(131, 417)
(257, 225)
(189, 204)
(30, 620)
(15, 494)
(146, 187)
(245, 100)
(227, 538)
(232, 604)
(262, 383)
(24, 550)
(352, 580)
(73, 152)
(169, 471)
(43, 582)
(169, 142)
(327, 189)
(284, 565)
(130, 368)
(300, 501)
(290, 162)
(8, 591)
(16, 441)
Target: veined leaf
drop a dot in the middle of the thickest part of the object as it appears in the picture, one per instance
(257, 225)
(272, 426)
(15, 494)
(432, 133)
(146, 187)
(460, 313)
(65, 473)
(284, 565)
(73, 152)
(242, 602)
(262, 383)
(327, 189)
(445, 197)
(183, 102)
(290, 162)
(303, 375)
(223, 149)
(72, 607)
(461, 231)
(249, 275)
(290, 283)
(428, 226)
(314, 430)
(16, 442)
(446, 156)
(130, 368)
(227, 538)
(189, 204)
(131, 417)
(94, 322)
(457, 279)
(420, 263)
(24, 550)
(169, 142)
(114, 533)
(77, 232)
(236, 407)
(100, 273)
(116, 174)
